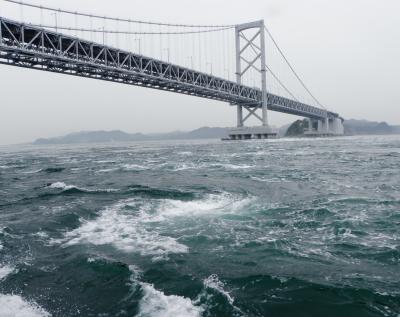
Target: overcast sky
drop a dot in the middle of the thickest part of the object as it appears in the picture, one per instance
(347, 51)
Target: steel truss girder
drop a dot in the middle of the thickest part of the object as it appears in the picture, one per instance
(32, 47)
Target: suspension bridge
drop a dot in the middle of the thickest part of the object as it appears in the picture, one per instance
(221, 62)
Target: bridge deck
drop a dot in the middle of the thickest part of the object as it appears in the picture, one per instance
(24, 45)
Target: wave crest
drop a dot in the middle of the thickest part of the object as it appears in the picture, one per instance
(156, 304)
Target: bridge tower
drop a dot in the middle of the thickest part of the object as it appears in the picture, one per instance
(251, 54)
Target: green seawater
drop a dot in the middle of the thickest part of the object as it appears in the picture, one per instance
(291, 227)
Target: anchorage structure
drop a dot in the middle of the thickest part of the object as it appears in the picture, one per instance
(35, 47)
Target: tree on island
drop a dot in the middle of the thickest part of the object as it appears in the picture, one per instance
(297, 128)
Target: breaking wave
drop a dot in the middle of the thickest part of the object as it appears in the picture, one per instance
(124, 228)
(214, 283)
(155, 303)
(128, 225)
(75, 189)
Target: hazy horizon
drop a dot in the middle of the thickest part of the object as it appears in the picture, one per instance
(350, 62)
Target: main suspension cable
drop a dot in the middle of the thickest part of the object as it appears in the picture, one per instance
(65, 28)
(22, 3)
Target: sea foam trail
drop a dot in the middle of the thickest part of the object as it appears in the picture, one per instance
(209, 205)
(118, 225)
(16, 306)
(127, 225)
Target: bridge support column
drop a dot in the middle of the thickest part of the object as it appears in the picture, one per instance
(326, 127)
(263, 75)
(239, 116)
(310, 125)
(337, 127)
(250, 38)
(265, 115)
(319, 127)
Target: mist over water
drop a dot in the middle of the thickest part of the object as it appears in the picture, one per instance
(291, 227)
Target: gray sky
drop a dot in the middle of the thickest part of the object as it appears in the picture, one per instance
(347, 51)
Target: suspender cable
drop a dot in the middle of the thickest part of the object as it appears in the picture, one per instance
(292, 69)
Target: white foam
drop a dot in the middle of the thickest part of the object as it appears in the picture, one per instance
(33, 172)
(5, 271)
(156, 304)
(61, 185)
(184, 166)
(185, 153)
(41, 234)
(235, 167)
(130, 224)
(269, 180)
(64, 187)
(192, 166)
(214, 283)
(16, 306)
(1, 244)
(211, 204)
(107, 170)
(104, 161)
(134, 167)
(125, 230)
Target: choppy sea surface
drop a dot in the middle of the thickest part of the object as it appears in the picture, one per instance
(291, 227)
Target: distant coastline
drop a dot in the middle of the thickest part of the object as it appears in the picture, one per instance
(352, 127)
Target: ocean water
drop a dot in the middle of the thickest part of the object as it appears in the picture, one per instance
(295, 227)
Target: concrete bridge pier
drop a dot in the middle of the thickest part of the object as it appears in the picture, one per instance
(310, 125)
(337, 126)
(325, 127)
(319, 126)
(239, 116)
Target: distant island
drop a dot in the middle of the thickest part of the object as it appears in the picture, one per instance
(120, 136)
(352, 127)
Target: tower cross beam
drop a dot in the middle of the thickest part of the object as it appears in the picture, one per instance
(249, 42)
(251, 64)
(252, 112)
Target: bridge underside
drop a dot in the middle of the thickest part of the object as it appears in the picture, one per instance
(21, 58)
(32, 47)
